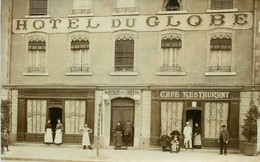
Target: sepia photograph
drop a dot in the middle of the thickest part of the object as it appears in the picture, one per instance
(130, 80)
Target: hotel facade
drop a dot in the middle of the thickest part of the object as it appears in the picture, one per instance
(157, 63)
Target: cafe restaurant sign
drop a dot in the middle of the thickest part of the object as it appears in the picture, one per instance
(195, 94)
(241, 20)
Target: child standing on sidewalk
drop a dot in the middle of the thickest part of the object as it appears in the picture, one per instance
(4, 140)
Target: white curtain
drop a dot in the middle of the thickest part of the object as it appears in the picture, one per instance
(82, 4)
(171, 116)
(171, 56)
(225, 57)
(214, 58)
(36, 116)
(216, 115)
(36, 58)
(220, 58)
(125, 3)
(74, 116)
(79, 58)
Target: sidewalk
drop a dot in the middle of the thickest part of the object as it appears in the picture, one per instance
(60, 153)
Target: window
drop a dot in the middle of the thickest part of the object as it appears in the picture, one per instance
(38, 7)
(125, 6)
(37, 50)
(221, 4)
(220, 53)
(81, 6)
(171, 45)
(79, 56)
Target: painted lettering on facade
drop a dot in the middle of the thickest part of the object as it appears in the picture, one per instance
(195, 94)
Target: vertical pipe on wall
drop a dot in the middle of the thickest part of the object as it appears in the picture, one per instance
(254, 45)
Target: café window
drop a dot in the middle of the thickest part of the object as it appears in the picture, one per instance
(124, 53)
(79, 54)
(172, 5)
(220, 52)
(171, 49)
(221, 4)
(38, 7)
(81, 7)
(125, 6)
(37, 54)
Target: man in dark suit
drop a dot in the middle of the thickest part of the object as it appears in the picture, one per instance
(223, 140)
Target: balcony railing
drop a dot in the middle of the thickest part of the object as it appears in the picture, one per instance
(124, 68)
(220, 69)
(36, 69)
(167, 68)
(173, 8)
(80, 11)
(79, 69)
(125, 9)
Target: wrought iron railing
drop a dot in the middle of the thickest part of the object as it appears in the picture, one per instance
(36, 69)
(79, 69)
(220, 69)
(173, 8)
(81, 11)
(125, 9)
(167, 68)
(124, 68)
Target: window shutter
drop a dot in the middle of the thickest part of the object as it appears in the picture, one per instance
(38, 7)
(37, 45)
(171, 43)
(220, 44)
(221, 4)
(77, 45)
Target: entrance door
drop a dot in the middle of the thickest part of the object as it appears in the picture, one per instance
(193, 116)
(122, 110)
(54, 114)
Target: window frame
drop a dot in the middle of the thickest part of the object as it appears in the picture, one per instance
(115, 13)
(210, 10)
(162, 10)
(218, 33)
(70, 37)
(36, 36)
(171, 33)
(118, 35)
(70, 14)
(28, 3)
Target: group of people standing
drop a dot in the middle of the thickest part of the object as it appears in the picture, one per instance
(48, 138)
(192, 139)
(123, 134)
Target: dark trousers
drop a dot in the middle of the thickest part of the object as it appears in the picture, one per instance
(164, 148)
(127, 139)
(223, 145)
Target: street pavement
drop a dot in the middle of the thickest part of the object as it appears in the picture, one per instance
(63, 153)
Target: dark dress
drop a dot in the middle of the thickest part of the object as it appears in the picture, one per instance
(164, 141)
(118, 136)
(4, 140)
(197, 137)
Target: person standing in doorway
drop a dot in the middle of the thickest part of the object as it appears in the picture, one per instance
(223, 140)
(197, 137)
(48, 133)
(58, 134)
(85, 138)
(118, 135)
(187, 132)
(128, 132)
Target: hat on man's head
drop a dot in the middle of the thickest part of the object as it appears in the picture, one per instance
(223, 126)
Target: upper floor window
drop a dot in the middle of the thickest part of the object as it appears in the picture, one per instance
(125, 6)
(38, 7)
(172, 5)
(81, 6)
(37, 50)
(220, 52)
(221, 4)
(171, 46)
(124, 53)
(79, 54)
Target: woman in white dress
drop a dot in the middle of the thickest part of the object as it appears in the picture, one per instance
(58, 134)
(48, 133)
(85, 138)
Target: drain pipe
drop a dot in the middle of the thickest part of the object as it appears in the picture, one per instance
(254, 45)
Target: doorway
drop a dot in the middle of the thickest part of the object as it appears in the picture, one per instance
(54, 114)
(194, 116)
(122, 110)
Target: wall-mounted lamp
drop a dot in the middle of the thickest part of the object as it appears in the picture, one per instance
(137, 98)
(106, 98)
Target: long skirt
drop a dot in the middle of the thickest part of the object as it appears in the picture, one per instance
(118, 139)
(197, 141)
(48, 136)
(85, 139)
(58, 137)
(4, 142)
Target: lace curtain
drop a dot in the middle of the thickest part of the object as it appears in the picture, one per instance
(36, 116)
(74, 116)
(171, 116)
(216, 115)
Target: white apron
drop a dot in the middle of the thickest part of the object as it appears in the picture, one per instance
(58, 137)
(48, 136)
(85, 139)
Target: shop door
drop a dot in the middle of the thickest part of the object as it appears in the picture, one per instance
(122, 110)
(54, 114)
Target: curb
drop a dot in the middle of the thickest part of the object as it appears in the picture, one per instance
(52, 160)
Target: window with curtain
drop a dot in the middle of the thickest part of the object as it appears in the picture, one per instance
(36, 116)
(38, 7)
(171, 52)
(172, 5)
(37, 49)
(81, 6)
(220, 54)
(171, 116)
(215, 115)
(79, 56)
(123, 6)
(75, 112)
(124, 55)
(221, 4)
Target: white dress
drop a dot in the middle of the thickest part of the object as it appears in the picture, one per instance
(58, 134)
(85, 138)
(48, 136)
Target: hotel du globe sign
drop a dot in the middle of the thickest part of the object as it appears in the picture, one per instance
(155, 63)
